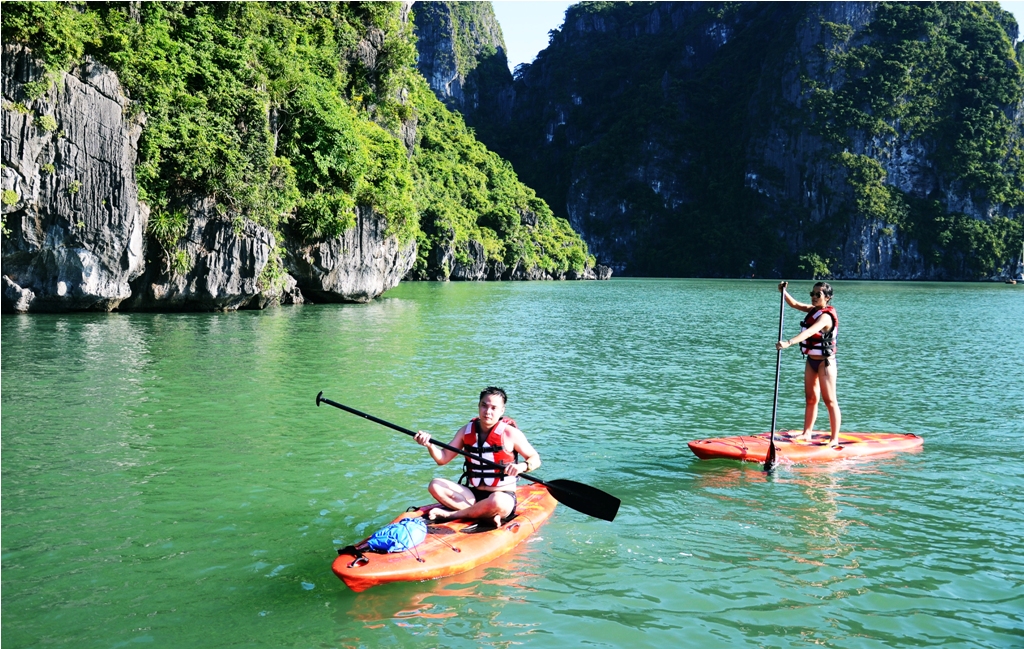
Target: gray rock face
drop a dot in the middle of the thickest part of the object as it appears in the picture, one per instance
(356, 267)
(282, 291)
(605, 221)
(476, 269)
(224, 266)
(520, 273)
(462, 57)
(436, 46)
(19, 298)
(76, 228)
(368, 48)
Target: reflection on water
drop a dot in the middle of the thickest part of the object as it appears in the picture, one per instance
(168, 480)
(428, 600)
(426, 609)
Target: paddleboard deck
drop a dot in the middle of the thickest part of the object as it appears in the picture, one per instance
(754, 448)
(451, 547)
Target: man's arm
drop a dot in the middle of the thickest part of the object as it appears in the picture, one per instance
(530, 456)
(440, 455)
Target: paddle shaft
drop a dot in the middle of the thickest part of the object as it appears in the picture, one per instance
(321, 399)
(770, 459)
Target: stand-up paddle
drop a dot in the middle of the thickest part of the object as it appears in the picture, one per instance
(769, 461)
(575, 495)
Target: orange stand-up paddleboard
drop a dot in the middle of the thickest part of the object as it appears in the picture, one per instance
(754, 448)
(447, 550)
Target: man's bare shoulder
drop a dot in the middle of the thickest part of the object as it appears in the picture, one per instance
(518, 438)
(459, 434)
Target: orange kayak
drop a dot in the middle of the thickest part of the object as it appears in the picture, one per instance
(451, 547)
(754, 448)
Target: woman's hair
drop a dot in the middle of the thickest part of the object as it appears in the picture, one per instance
(504, 397)
(825, 289)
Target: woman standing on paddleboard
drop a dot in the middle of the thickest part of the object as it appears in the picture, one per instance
(817, 340)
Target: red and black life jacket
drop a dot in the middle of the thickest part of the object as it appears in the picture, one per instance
(823, 342)
(490, 447)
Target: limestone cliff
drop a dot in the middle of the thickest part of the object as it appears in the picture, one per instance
(77, 236)
(361, 264)
(211, 155)
(71, 206)
(482, 224)
(461, 54)
(847, 139)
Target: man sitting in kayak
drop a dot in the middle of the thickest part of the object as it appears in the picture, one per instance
(489, 493)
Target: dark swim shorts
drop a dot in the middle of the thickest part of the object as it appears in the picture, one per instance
(482, 494)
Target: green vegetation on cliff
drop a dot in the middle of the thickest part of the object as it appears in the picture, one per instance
(942, 71)
(290, 115)
(210, 78)
(469, 193)
(946, 74)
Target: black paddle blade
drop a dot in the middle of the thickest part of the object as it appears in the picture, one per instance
(584, 498)
(769, 462)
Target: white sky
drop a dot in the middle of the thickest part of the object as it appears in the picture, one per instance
(1017, 9)
(525, 25)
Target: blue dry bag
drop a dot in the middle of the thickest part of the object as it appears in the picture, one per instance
(399, 537)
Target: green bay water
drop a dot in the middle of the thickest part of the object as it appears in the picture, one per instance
(167, 480)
